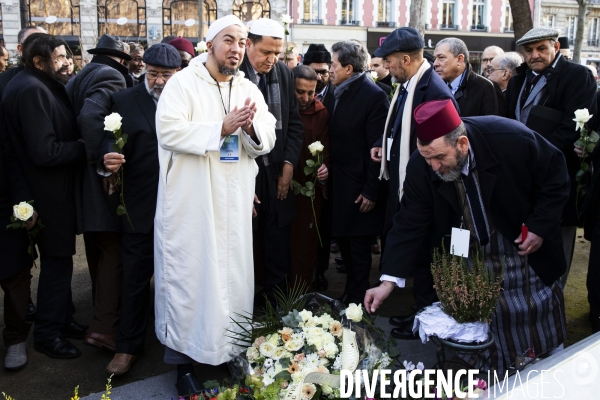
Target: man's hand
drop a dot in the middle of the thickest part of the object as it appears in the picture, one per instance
(32, 222)
(113, 161)
(376, 154)
(375, 296)
(322, 173)
(580, 152)
(366, 206)
(531, 244)
(256, 201)
(284, 182)
(241, 118)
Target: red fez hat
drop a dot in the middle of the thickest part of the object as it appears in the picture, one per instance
(184, 45)
(435, 119)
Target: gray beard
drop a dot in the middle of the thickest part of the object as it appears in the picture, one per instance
(152, 92)
(226, 71)
(455, 172)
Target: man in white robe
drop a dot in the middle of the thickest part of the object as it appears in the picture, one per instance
(203, 226)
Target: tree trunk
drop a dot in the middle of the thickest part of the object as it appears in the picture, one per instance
(417, 17)
(200, 20)
(580, 28)
(522, 20)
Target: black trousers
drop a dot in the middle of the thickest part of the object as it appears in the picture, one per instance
(276, 240)
(16, 300)
(54, 297)
(593, 277)
(325, 225)
(356, 253)
(138, 268)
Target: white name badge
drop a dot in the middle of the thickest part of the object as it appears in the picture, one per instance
(230, 149)
(389, 147)
(459, 242)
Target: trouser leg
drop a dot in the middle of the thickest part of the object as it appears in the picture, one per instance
(277, 256)
(356, 253)
(107, 307)
(138, 268)
(568, 237)
(54, 296)
(92, 255)
(16, 301)
(593, 277)
(323, 252)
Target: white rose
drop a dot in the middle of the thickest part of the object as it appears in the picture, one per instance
(305, 314)
(374, 75)
(326, 389)
(314, 148)
(274, 339)
(331, 350)
(23, 211)
(581, 117)
(267, 349)
(354, 312)
(314, 331)
(252, 353)
(293, 345)
(286, 19)
(201, 47)
(278, 353)
(327, 337)
(112, 122)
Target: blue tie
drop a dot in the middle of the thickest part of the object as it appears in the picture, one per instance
(400, 101)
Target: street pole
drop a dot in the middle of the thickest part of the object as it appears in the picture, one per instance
(200, 20)
(24, 13)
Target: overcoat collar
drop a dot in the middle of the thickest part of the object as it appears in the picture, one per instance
(57, 88)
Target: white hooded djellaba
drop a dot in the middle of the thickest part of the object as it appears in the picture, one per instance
(204, 270)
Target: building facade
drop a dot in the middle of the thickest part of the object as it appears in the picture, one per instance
(479, 23)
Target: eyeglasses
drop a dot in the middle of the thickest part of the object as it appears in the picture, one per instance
(491, 70)
(137, 59)
(152, 76)
(322, 72)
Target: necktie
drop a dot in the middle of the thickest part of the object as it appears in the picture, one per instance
(476, 207)
(532, 80)
(262, 83)
(399, 110)
(450, 86)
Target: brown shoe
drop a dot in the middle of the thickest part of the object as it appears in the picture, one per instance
(100, 340)
(121, 363)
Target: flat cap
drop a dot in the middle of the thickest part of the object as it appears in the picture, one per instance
(162, 55)
(403, 39)
(538, 34)
(316, 53)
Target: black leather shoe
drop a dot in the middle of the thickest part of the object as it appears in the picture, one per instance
(58, 348)
(402, 319)
(341, 269)
(322, 283)
(30, 316)
(73, 330)
(188, 385)
(339, 261)
(404, 332)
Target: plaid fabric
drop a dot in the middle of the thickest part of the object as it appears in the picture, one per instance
(520, 320)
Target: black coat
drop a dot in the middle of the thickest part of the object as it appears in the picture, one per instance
(289, 140)
(141, 169)
(478, 96)
(356, 124)
(329, 100)
(38, 118)
(569, 87)
(523, 179)
(13, 190)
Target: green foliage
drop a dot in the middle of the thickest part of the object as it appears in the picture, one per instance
(467, 293)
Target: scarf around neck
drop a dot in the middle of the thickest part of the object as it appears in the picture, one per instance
(273, 95)
(339, 90)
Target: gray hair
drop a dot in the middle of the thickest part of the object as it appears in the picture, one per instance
(451, 138)
(351, 53)
(510, 61)
(304, 72)
(497, 49)
(456, 46)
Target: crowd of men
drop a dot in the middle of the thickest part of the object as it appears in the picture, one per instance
(214, 145)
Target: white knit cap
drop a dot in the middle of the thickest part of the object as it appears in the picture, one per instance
(221, 24)
(267, 27)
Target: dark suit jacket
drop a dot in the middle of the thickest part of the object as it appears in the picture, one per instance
(478, 96)
(523, 179)
(356, 123)
(569, 87)
(329, 100)
(38, 118)
(141, 169)
(289, 139)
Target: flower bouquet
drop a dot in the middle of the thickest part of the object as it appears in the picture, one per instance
(291, 354)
